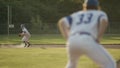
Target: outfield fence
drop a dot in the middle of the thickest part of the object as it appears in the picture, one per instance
(47, 28)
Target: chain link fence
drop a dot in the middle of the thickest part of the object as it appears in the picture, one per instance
(47, 28)
(114, 28)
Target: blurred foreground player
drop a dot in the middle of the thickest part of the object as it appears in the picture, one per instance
(83, 31)
(26, 35)
(118, 63)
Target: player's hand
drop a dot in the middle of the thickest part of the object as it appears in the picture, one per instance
(97, 40)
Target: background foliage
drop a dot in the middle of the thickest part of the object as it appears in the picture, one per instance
(37, 13)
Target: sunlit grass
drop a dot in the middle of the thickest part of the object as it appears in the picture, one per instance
(43, 58)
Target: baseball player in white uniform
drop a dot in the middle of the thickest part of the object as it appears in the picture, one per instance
(83, 31)
(26, 35)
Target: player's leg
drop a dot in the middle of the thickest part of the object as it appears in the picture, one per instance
(73, 49)
(24, 41)
(25, 44)
(101, 56)
(72, 58)
(28, 44)
(27, 41)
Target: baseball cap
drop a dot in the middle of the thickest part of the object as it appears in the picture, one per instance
(91, 2)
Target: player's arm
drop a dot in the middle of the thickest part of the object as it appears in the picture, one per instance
(23, 33)
(63, 28)
(102, 28)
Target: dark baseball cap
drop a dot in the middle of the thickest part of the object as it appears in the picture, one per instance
(91, 2)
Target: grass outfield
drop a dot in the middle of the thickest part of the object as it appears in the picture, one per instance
(42, 58)
(52, 39)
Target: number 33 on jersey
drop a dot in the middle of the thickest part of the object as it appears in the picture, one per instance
(83, 21)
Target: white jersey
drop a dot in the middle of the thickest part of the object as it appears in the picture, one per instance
(25, 32)
(85, 21)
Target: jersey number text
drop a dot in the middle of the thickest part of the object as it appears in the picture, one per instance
(85, 18)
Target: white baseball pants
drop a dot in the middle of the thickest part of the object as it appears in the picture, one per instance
(25, 38)
(78, 45)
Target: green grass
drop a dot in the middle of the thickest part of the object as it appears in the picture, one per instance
(42, 58)
(35, 39)
(52, 39)
(111, 39)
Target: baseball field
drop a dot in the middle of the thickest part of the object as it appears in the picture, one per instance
(47, 57)
(53, 39)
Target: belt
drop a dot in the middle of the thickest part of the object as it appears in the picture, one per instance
(81, 33)
(86, 33)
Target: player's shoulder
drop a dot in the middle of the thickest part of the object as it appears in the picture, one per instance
(102, 12)
(70, 16)
(76, 13)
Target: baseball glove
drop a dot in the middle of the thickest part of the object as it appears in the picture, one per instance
(20, 35)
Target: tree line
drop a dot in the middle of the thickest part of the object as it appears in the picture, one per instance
(34, 12)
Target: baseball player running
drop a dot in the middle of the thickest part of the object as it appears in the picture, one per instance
(26, 35)
(83, 31)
